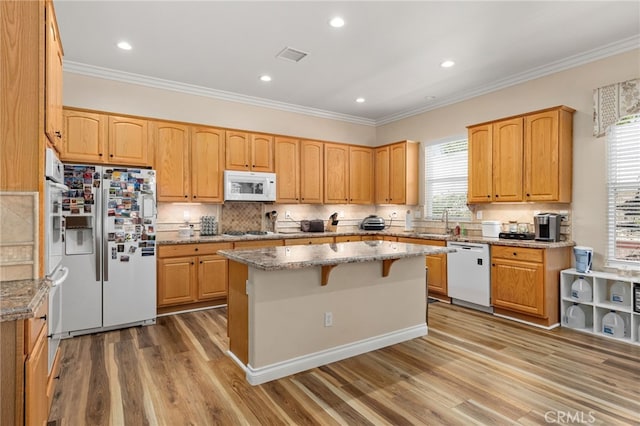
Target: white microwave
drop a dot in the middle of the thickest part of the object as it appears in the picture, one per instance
(249, 186)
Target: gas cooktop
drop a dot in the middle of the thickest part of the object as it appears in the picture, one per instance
(517, 235)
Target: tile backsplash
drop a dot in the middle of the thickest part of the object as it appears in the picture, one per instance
(18, 235)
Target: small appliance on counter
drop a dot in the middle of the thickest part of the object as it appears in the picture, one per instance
(208, 225)
(547, 227)
(315, 225)
(372, 223)
(584, 257)
(490, 229)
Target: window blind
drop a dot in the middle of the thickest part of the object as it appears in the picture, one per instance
(623, 187)
(446, 167)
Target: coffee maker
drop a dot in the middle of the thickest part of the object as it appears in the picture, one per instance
(547, 226)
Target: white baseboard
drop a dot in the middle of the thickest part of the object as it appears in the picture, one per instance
(550, 327)
(256, 376)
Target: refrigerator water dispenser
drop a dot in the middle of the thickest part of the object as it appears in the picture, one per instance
(79, 235)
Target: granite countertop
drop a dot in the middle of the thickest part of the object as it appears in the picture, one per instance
(168, 238)
(20, 299)
(306, 256)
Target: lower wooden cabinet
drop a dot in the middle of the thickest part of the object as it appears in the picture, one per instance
(347, 238)
(525, 282)
(191, 275)
(436, 265)
(312, 240)
(36, 402)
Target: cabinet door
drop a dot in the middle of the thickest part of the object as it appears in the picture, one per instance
(36, 403)
(212, 277)
(261, 153)
(311, 170)
(207, 164)
(53, 75)
(287, 164)
(518, 286)
(85, 137)
(336, 174)
(382, 175)
(236, 151)
(437, 275)
(127, 141)
(397, 173)
(177, 280)
(507, 160)
(360, 175)
(480, 176)
(541, 157)
(172, 161)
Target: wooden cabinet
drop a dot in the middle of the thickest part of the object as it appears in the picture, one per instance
(189, 162)
(36, 402)
(522, 158)
(524, 282)
(336, 173)
(347, 238)
(396, 173)
(287, 166)
(104, 139)
(53, 78)
(360, 175)
(548, 155)
(191, 275)
(306, 241)
(248, 151)
(258, 243)
(311, 172)
(436, 265)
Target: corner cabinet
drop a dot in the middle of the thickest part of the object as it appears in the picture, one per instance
(600, 303)
(396, 173)
(522, 158)
(191, 276)
(525, 282)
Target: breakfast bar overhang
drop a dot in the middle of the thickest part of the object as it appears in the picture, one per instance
(293, 308)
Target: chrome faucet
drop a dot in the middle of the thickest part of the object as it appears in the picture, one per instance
(445, 219)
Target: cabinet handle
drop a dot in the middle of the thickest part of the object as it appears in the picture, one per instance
(253, 165)
(488, 196)
(193, 263)
(195, 196)
(196, 249)
(186, 196)
(201, 262)
(59, 133)
(110, 155)
(493, 264)
(100, 155)
(497, 196)
(44, 317)
(528, 195)
(515, 254)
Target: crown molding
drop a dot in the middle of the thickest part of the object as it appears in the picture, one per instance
(602, 52)
(158, 83)
(553, 67)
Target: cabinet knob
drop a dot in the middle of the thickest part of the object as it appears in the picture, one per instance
(193, 263)
(201, 262)
(196, 248)
(100, 155)
(489, 196)
(497, 196)
(110, 155)
(493, 264)
(345, 199)
(253, 165)
(195, 196)
(58, 133)
(186, 196)
(528, 195)
(515, 254)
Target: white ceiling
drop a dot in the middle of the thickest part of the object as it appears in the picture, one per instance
(388, 52)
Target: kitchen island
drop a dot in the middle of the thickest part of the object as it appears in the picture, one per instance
(295, 308)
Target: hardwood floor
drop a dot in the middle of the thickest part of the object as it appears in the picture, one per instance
(472, 368)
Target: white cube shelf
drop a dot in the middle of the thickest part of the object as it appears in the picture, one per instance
(601, 303)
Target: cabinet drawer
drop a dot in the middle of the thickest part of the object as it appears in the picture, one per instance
(303, 241)
(34, 326)
(518, 253)
(347, 238)
(257, 244)
(439, 243)
(176, 250)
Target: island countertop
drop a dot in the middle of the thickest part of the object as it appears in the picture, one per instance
(21, 299)
(303, 256)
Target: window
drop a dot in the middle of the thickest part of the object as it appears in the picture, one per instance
(446, 179)
(623, 187)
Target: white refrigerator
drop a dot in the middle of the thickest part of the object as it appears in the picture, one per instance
(109, 247)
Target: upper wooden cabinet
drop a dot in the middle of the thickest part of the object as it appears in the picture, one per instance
(336, 173)
(188, 160)
(398, 163)
(85, 136)
(360, 175)
(249, 151)
(53, 78)
(104, 139)
(523, 158)
(311, 172)
(287, 166)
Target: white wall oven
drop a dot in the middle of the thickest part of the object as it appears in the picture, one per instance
(54, 247)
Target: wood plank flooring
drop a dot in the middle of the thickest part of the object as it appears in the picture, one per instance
(472, 368)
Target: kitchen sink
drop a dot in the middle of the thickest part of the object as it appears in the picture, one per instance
(434, 236)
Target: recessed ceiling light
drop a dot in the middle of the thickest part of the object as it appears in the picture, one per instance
(360, 100)
(124, 45)
(337, 22)
(447, 64)
(265, 77)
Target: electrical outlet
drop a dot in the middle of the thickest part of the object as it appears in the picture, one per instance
(564, 215)
(394, 214)
(479, 214)
(287, 214)
(328, 319)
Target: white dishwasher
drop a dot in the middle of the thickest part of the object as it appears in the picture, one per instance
(469, 275)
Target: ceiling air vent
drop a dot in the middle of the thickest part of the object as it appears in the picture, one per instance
(290, 54)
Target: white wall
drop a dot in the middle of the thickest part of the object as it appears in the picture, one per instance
(113, 96)
(573, 88)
